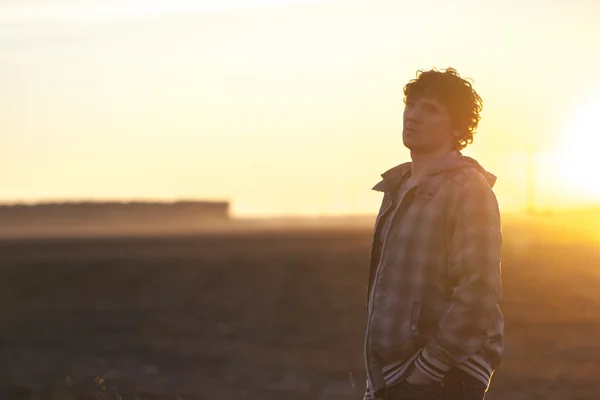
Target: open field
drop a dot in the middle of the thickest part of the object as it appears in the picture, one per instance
(265, 314)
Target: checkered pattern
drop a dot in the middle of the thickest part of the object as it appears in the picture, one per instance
(435, 275)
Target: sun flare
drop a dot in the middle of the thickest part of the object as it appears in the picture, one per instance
(580, 152)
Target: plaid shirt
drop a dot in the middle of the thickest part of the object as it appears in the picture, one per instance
(434, 279)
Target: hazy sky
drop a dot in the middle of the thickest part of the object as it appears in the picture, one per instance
(283, 106)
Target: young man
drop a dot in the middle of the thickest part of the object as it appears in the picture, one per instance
(434, 327)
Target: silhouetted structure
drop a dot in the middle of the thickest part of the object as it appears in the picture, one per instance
(112, 213)
(530, 199)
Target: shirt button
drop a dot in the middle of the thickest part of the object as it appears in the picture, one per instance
(413, 327)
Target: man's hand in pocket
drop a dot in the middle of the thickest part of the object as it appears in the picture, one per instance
(419, 378)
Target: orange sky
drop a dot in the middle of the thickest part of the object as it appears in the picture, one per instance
(284, 107)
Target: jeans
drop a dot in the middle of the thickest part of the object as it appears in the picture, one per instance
(456, 385)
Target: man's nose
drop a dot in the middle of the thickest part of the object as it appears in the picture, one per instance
(412, 115)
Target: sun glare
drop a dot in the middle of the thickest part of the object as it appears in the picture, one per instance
(580, 153)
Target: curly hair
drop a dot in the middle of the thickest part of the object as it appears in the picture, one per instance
(455, 93)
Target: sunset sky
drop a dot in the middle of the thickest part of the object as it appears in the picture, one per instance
(286, 107)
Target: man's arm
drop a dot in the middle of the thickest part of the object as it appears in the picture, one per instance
(474, 256)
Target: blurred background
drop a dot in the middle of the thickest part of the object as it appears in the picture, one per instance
(185, 191)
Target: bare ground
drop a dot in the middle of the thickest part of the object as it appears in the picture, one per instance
(265, 314)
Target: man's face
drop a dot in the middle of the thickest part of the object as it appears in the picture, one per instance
(427, 127)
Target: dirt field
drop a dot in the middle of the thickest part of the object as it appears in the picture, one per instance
(271, 314)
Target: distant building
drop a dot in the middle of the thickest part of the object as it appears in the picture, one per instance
(112, 213)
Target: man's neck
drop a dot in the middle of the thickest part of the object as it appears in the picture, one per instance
(422, 163)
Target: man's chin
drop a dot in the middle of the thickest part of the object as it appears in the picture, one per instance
(417, 148)
(413, 146)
